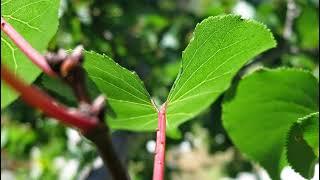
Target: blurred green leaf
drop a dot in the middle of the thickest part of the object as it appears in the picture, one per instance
(308, 28)
(19, 139)
(299, 61)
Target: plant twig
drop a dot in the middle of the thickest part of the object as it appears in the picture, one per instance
(36, 98)
(159, 158)
(26, 48)
(70, 69)
(100, 136)
(89, 117)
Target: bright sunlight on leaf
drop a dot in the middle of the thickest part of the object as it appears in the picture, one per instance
(220, 47)
(37, 22)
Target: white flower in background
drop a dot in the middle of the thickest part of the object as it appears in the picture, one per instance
(246, 176)
(69, 170)
(36, 166)
(73, 139)
(59, 162)
(169, 41)
(151, 146)
(244, 9)
(185, 147)
(97, 163)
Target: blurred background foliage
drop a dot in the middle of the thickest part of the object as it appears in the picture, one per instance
(148, 36)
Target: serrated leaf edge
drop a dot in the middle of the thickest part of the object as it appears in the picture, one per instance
(298, 124)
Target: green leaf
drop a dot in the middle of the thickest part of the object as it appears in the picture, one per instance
(310, 127)
(308, 28)
(301, 156)
(220, 47)
(37, 22)
(260, 111)
(130, 102)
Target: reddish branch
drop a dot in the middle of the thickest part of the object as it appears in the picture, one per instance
(89, 118)
(26, 48)
(159, 158)
(36, 98)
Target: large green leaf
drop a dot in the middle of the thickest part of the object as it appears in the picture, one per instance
(220, 47)
(37, 22)
(260, 111)
(302, 145)
(131, 105)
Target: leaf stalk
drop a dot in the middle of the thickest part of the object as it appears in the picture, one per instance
(159, 158)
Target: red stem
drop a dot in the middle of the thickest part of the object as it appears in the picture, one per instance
(159, 158)
(26, 48)
(36, 98)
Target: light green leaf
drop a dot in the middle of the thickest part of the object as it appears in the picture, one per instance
(130, 102)
(220, 47)
(300, 155)
(37, 22)
(260, 111)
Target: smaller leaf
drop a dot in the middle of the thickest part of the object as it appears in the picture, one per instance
(300, 155)
(129, 101)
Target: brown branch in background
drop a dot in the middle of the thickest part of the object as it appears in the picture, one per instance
(26, 48)
(100, 136)
(38, 99)
(70, 69)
